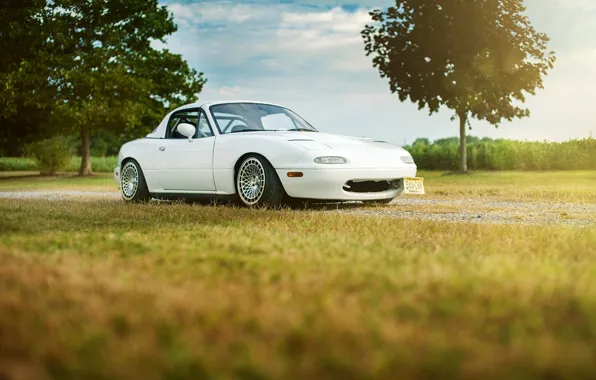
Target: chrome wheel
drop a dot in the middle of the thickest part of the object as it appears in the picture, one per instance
(129, 180)
(251, 181)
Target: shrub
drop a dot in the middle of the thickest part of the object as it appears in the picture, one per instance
(51, 155)
(502, 154)
(99, 164)
(16, 164)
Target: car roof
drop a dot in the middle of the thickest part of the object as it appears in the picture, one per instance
(160, 131)
(214, 103)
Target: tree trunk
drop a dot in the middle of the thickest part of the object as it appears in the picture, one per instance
(85, 169)
(463, 153)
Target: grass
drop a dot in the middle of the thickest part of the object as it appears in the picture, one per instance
(31, 181)
(99, 164)
(106, 290)
(555, 186)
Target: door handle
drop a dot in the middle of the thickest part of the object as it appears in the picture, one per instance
(162, 148)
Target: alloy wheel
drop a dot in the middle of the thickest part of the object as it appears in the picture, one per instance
(129, 182)
(251, 181)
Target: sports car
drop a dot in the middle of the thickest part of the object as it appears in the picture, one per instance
(260, 154)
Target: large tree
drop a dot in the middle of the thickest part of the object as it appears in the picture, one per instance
(26, 96)
(479, 58)
(103, 66)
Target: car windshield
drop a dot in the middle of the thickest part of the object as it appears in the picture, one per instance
(255, 117)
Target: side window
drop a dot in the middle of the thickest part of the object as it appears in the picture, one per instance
(186, 116)
(204, 129)
(195, 117)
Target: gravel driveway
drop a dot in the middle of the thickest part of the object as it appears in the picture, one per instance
(60, 195)
(477, 211)
(446, 210)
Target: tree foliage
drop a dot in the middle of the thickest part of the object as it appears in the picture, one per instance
(26, 96)
(100, 61)
(479, 58)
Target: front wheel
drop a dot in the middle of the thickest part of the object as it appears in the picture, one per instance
(132, 183)
(257, 183)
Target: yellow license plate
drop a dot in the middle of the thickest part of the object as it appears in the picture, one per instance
(414, 185)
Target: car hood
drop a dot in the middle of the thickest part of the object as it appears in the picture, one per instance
(324, 141)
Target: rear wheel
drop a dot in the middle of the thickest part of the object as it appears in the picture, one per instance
(132, 183)
(257, 183)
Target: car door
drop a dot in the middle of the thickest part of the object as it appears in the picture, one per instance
(183, 165)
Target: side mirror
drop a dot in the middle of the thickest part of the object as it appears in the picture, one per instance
(187, 130)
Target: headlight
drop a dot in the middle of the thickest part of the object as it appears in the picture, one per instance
(330, 160)
(407, 159)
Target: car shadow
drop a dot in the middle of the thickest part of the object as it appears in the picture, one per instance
(294, 205)
(323, 206)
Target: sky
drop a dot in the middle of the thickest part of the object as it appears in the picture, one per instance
(309, 56)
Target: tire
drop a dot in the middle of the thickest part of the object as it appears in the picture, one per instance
(133, 187)
(257, 183)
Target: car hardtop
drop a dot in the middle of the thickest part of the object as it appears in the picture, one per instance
(160, 131)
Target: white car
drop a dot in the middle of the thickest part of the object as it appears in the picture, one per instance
(261, 154)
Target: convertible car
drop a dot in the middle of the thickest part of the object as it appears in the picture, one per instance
(261, 154)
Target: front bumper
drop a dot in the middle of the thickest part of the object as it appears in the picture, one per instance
(328, 184)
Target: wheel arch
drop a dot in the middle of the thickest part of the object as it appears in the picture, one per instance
(142, 189)
(243, 157)
(130, 158)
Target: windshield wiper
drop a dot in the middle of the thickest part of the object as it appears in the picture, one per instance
(273, 130)
(248, 130)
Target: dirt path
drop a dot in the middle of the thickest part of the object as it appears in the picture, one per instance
(59, 194)
(445, 210)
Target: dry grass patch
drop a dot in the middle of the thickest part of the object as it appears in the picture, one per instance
(555, 186)
(109, 290)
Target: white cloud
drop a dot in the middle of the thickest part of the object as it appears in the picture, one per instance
(578, 5)
(313, 61)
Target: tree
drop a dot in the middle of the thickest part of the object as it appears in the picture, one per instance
(478, 58)
(26, 97)
(105, 68)
(421, 142)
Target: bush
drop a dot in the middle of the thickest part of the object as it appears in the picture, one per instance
(51, 155)
(99, 164)
(16, 164)
(502, 154)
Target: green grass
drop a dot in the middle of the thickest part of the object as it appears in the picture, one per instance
(99, 164)
(30, 181)
(553, 186)
(107, 290)
(252, 291)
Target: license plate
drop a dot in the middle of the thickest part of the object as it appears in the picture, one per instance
(414, 185)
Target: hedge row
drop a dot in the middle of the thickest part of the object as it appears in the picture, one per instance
(487, 154)
(99, 164)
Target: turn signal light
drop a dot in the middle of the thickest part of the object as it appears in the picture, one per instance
(295, 174)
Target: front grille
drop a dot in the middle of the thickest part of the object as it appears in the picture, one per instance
(371, 186)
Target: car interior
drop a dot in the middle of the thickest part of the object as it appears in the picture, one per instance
(201, 126)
